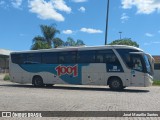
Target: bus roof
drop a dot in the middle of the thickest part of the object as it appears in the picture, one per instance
(79, 48)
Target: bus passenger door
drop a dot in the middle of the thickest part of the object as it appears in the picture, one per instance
(137, 78)
(137, 74)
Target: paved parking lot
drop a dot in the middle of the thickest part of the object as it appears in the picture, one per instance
(16, 97)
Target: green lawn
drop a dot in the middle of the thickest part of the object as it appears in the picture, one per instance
(156, 82)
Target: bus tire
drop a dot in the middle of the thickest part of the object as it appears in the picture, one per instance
(38, 81)
(115, 84)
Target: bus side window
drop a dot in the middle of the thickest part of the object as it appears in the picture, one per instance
(99, 59)
(101, 55)
(49, 58)
(17, 58)
(124, 53)
(107, 56)
(61, 59)
(32, 58)
(86, 57)
(67, 57)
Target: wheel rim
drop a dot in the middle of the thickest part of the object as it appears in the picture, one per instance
(115, 84)
(38, 82)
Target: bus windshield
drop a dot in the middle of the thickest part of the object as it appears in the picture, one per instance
(148, 65)
(140, 62)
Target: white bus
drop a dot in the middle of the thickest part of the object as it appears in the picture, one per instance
(116, 66)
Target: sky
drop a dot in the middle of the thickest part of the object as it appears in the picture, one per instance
(139, 20)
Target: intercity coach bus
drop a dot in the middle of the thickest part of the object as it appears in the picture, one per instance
(118, 66)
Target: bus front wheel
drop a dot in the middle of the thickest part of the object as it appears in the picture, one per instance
(115, 84)
(38, 81)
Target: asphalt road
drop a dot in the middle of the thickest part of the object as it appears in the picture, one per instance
(16, 97)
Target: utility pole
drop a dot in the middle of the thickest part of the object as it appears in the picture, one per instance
(106, 34)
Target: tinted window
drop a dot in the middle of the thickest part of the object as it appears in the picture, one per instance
(106, 56)
(50, 58)
(148, 65)
(26, 58)
(125, 55)
(157, 66)
(30, 58)
(111, 60)
(67, 57)
(86, 57)
(17, 58)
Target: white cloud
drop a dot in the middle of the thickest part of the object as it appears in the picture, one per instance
(67, 31)
(2, 2)
(127, 4)
(61, 5)
(90, 30)
(78, 1)
(16, 3)
(143, 6)
(48, 10)
(82, 9)
(149, 34)
(124, 17)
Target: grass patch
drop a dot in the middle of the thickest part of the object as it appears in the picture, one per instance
(6, 77)
(156, 82)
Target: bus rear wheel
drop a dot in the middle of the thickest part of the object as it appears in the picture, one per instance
(38, 81)
(115, 84)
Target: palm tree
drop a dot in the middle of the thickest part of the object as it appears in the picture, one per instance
(45, 41)
(40, 45)
(71, 42)
(58, 42)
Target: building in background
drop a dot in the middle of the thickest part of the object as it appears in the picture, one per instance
(157, 67)
(4, 63)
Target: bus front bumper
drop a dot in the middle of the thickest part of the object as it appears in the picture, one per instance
(148, 80)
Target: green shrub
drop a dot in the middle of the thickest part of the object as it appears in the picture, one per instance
(156, 82)
(6, 77)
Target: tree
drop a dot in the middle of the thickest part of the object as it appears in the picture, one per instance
(79, 43)
(125, 41)
(48, 38)
(71, 42)
(58, 42)
(40, 45)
